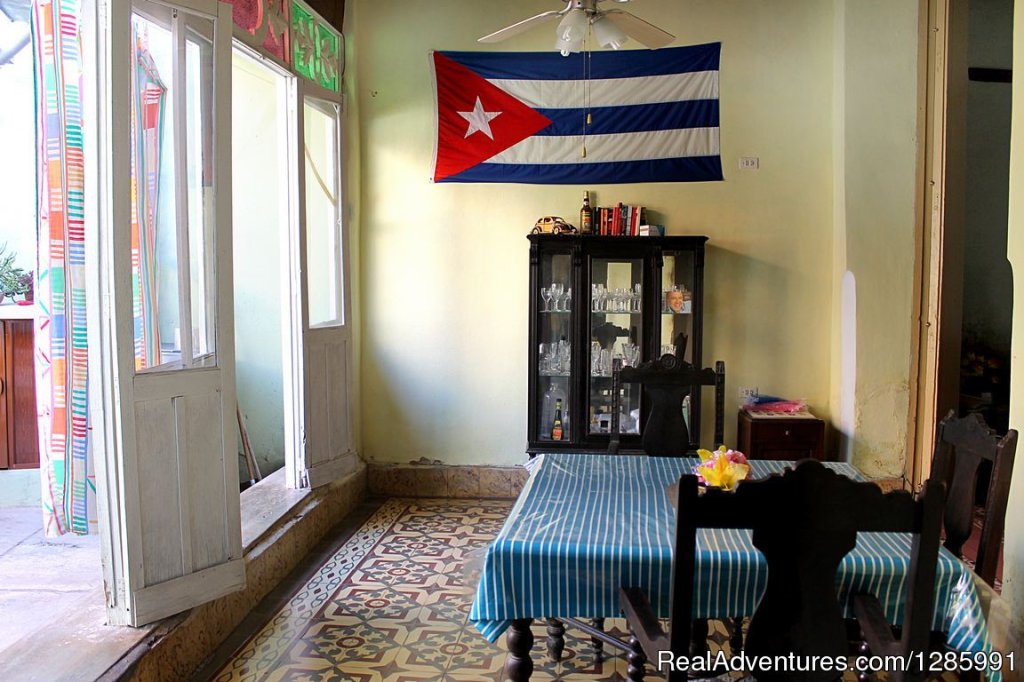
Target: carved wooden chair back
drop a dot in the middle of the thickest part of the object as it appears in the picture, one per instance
(804, 522)
(961, 445)
(666, 382)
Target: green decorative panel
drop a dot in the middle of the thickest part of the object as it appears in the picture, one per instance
(316, 47)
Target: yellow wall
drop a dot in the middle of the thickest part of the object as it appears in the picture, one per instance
(875, 176)
(444, 267)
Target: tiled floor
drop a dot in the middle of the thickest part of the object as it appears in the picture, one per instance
(390, 604)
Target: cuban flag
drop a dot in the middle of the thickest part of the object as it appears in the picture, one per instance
(590, 118)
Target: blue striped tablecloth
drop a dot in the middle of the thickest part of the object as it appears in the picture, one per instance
(585, 525)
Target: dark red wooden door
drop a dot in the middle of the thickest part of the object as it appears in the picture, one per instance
(18, 412)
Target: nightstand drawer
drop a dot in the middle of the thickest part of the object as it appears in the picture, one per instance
(781, 438)
(789, 433)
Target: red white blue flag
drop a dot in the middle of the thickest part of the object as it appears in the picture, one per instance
(590, 118)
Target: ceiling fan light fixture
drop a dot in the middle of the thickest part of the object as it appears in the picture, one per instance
(567, 47)
(573, 26)
(607, 33)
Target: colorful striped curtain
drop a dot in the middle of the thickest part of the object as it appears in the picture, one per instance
(68, 485)
(148, 95)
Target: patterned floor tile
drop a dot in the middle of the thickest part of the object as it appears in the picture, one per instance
(391, 605)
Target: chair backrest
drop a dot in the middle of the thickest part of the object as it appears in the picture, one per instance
(961, 445)
(666, 382)
(804, 522)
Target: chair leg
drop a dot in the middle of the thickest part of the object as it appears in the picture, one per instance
(699, 638)
(736, 638)
(556, 639)
(595, 642)
(636, 659)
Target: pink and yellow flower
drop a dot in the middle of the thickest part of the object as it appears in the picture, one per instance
(723, 468)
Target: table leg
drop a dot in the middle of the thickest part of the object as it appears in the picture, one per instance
(519, 665)
(556, 639)
(595, 642)
(635, 660)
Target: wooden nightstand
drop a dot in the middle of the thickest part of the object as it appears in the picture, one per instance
(789, 438)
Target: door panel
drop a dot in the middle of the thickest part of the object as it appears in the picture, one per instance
(169, 464)
(159, 505)
(323, 279)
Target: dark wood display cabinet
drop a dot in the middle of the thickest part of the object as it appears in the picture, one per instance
(594, 299)
(19, 441)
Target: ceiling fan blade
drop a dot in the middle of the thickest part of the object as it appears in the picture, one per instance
(639, 30)
(518, 27)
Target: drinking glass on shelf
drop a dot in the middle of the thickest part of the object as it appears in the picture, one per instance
(637, 298)
(557, 289)
(567, 303)
(545, 294)
(630, 354)
(564, 357)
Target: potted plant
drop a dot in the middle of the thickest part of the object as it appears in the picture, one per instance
(11, 278)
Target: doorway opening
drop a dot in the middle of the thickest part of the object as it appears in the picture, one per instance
(261, 182)
(60, 571)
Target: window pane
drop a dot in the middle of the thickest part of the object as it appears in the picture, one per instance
(154, 243)
(199, 176)
(323, 246)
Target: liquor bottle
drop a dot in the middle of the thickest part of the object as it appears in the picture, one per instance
(556, 426)
(586, 215)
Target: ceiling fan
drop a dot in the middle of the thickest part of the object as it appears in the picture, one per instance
(612, 27)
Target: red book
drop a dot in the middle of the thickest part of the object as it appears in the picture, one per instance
(617, 220)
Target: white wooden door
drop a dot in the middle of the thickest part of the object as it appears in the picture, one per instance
(168, 462)
(323, 309)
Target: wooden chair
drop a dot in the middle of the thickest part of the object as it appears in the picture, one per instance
(804, 522)
(666, 382)
(961, 445)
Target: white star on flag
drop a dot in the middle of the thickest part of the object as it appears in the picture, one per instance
(479, 120)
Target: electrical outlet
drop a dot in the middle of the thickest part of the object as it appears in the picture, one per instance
(749, 163)
(748, 394)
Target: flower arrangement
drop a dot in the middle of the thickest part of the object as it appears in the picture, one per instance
(723, 468)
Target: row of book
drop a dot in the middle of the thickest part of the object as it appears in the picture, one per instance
(621, 220)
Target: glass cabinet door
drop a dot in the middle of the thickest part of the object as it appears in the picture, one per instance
(677, 301)
(554, 352)
(676, 328)
(615, 330)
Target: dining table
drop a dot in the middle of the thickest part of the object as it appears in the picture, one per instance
(585, 525)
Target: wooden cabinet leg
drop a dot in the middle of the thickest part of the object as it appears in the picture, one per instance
(519, 665)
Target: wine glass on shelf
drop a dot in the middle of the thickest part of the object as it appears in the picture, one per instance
(557, 289)
(545, 294)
